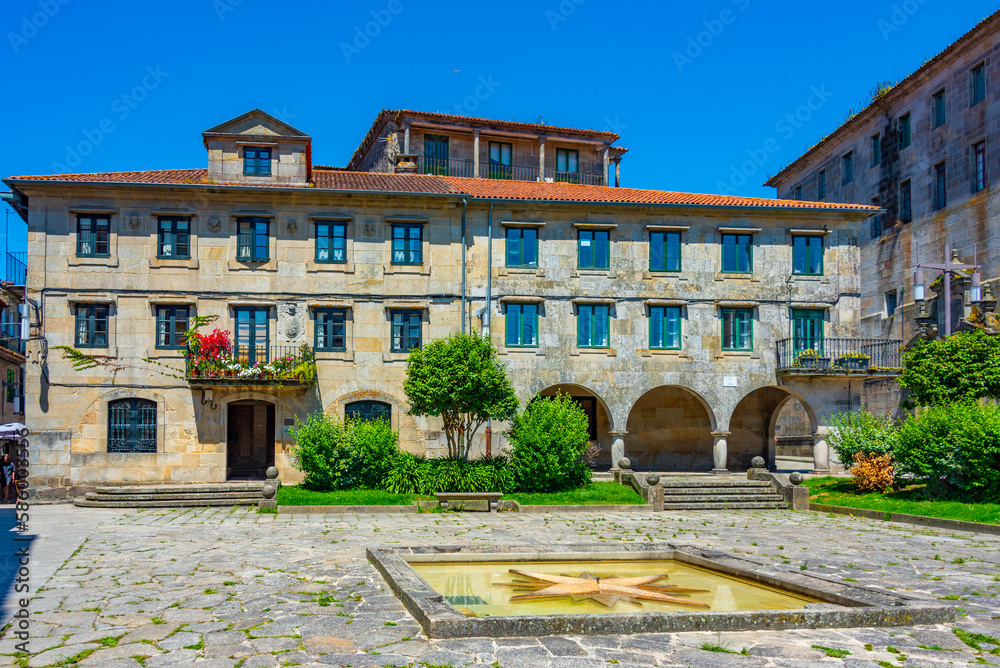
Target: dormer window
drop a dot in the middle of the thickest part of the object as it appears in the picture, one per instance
(256, 161)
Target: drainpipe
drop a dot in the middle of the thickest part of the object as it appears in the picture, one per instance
(465, 207)
(487, 316)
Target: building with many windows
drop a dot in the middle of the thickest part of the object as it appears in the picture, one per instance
(924, 150)
(683, 324)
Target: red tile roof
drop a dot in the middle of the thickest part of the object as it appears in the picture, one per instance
(331, 179)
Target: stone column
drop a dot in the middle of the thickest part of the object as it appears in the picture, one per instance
(821, 452)
(541, 158)
(607, 162)
(406, 139)
(618, 172)
(617, 448)
(475, 153)
(720, 453)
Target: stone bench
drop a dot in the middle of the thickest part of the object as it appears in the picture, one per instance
(482, 501)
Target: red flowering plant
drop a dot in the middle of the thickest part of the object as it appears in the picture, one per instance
(213, 356)
(208, 354)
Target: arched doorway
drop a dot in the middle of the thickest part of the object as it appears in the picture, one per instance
(670, 429)
(250, 439)
(753, 425)
(598, 417)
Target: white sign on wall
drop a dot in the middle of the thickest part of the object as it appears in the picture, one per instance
(730, 381)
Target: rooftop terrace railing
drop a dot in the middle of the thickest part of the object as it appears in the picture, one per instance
(823, 356)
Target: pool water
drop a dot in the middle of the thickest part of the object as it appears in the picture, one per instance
(472, 588)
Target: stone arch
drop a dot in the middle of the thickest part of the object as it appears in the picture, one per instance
(670, 427)
(753, 422)
(602, 421)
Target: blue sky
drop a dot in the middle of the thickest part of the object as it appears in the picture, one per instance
(690, 87)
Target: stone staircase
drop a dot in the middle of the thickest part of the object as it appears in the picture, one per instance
(173, 496)
(719, 493)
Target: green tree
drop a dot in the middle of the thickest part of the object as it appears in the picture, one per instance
(857, 433)
(962, 367)
(549, 439)
(461, 380)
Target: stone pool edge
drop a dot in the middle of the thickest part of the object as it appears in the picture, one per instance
(847, 605)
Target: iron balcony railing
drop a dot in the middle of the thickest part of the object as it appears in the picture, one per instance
(840, 356)
(583, 178)
(492, 170)
(10, 338)
(17, 268)
(254, 365)
(447, 167)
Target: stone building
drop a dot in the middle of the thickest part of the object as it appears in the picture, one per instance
(683, 324)
(925, 151)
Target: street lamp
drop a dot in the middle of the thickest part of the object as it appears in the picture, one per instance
(918, 285)
(977, 290)
(948, 267)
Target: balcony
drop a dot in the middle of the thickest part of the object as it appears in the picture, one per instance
(290, 366)
(17, 268)
(492, 170)
(839, 357)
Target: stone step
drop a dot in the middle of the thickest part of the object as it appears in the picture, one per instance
(95, 496)
(166, 503)
(714, 483)
(747, 505)
(215, 488)
(678, 491)
(731, 498)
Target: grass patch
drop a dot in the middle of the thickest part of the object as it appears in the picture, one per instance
(710, 647)
(835, 653)
(910, 501)
(296, 496)
(596, 493)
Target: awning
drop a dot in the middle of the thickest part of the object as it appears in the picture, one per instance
(12, 430)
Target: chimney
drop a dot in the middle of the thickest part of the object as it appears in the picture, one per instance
(406, 163)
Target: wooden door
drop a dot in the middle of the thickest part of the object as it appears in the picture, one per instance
(241, 439)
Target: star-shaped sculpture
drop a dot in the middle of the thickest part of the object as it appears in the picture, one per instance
(606, 591)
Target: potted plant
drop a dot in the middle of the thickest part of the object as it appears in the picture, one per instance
(811, 359)
(853, 361)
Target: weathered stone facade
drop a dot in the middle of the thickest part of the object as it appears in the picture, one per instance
(696, 408)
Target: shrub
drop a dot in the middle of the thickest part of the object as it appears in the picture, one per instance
(406, 475)
(859, 432)
(873, 473)
(962, 367)
(954, 448)
(411, 474)
(323, 452)
(548, 443)
(376, 447)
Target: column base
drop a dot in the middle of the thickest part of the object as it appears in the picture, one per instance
(721, 472)
(821, 472)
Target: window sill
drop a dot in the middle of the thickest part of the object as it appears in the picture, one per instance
(522, 350)
(394, 357)
(674, 275)
(243, 265)
(420, 269)
(172, 354)
(313, 267)
(75, 261)
(733, 275)
(185, 263)
(520, 271)
(604, 352)
(581, 273)
(334, 355)
(746, 354)
(663, 352)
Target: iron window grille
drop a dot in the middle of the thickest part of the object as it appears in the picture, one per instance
(593, 326)
(331, 243)
(93, 236)
(253, 240)
(522, 247)
(664, 251)
(171, 325)
(737, 253)
(406, 334)
(331, 330)
(737, 329)
(593, 249)
(91, 326)
(256, 161)
(807, 255)
(174, 240)
(132, 426)
(501, 160)
(368, 410)
(522, 326)
(407, 244)
(665, 327)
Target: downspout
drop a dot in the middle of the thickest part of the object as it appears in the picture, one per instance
(489, 307)
(465, 207)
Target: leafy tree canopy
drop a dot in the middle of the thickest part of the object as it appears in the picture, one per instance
(965, 366)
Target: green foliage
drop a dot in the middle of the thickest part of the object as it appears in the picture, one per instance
(462, 380)
(549, 439)
(962, 367)
(376, 446)
(596, 493)
(294, 495)
(323, 452)
(861, 433)
(411, 474)
(406, 475)
(954, 448)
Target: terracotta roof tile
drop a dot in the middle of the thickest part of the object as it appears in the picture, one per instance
(340, 180)
(148, 176)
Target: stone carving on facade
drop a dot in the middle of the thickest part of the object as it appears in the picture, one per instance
(293, 227)
(214, 224)
(135, 222)
(291, 323)
(370, 229)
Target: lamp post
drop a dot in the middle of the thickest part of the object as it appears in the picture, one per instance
(947, 268)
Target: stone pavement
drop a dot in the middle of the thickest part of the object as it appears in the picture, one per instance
(229, 587)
